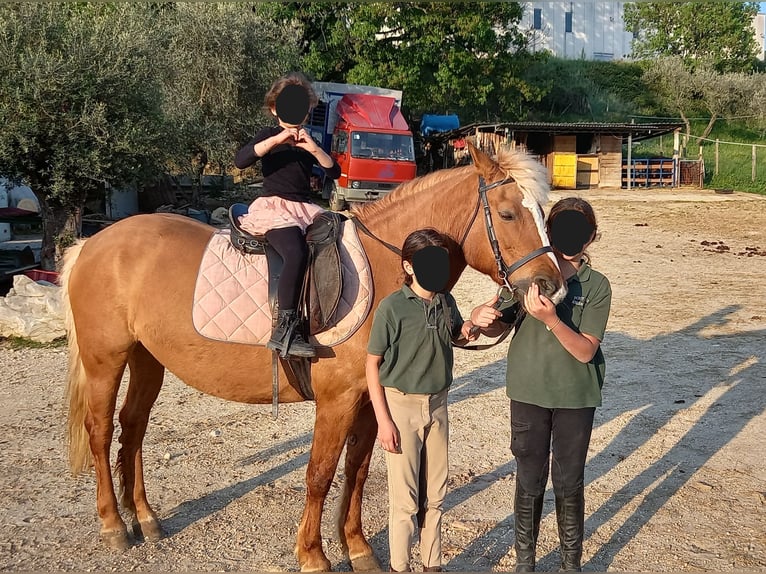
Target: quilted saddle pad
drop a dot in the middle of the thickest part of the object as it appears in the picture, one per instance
(231, 300)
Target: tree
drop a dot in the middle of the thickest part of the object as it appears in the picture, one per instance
(719, 33)
(757, 107)
(95, 94)
(80, 105)
(464, 57)
(685, 91)
(220, 60)
(674, 85)
(723, 95)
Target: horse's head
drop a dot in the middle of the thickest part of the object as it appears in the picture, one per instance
(515, 187)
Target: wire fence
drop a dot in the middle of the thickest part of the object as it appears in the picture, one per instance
(730, 163)
(727, 164)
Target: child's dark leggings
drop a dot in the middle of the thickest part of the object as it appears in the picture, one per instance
(536, 432)
(290, 243)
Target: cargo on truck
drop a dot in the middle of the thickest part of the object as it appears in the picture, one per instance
(363, 129)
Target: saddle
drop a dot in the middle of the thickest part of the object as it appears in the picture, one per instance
(323, 282)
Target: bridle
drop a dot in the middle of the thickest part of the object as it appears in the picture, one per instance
(503, 270)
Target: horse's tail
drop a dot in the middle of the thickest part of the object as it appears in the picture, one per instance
(80, 457)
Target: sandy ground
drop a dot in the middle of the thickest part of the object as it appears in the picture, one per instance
(676, 477)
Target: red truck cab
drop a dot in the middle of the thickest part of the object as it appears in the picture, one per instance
(368, 136)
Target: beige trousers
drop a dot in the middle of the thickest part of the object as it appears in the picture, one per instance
(417, 476)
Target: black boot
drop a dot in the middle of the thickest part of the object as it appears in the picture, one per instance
(527, 510)
(570, 514)
(287, 337)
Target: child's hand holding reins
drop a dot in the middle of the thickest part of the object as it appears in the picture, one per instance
(486, 314)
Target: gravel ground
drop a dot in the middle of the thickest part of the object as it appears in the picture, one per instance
(674, 481)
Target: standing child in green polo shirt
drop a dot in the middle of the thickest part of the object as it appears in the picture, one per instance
(409, 371)
(555, 373)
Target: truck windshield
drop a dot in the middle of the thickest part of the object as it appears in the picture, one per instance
(382, 146)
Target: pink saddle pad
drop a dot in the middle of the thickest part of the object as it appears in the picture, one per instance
(231, 293)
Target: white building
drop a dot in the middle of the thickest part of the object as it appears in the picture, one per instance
(759, 25)
(589, 30)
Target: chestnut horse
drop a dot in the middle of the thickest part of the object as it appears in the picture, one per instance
(128, 295)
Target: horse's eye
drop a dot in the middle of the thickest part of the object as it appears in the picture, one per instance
(507, 216)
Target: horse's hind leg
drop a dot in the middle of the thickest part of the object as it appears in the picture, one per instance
(103, 382)
(146, 376)
(359, 445)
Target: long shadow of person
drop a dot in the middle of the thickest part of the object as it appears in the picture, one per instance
(726, 393)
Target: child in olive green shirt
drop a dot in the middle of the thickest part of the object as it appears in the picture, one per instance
(555, 372)
(409, 371)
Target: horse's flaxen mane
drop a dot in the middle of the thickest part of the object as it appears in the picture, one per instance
(530, 175)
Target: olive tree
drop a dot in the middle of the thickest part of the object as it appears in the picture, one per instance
(80, 105)
(115, 93)
(220, 60)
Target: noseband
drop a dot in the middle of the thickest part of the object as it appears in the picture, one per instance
(503, 270)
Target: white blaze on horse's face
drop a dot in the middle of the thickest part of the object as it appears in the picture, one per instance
(534, 208)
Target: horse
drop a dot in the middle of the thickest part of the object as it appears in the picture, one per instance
(128, 293)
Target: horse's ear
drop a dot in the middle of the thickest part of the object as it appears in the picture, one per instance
(481, 161)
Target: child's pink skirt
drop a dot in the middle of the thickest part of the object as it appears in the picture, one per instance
(266, 213)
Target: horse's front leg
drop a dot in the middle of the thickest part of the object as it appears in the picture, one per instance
(361, 441)
(334, 417)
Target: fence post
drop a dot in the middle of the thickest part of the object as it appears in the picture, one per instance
(716, 156)
(753, 164)
(676, 148)
(630, 156)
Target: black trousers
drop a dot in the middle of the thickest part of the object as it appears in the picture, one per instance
(290, 243)
(536, 433)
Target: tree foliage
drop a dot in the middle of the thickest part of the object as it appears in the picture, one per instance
(702, 89)
(79, 104)
(218, 62)
(94, 94)
(589, 90)
(460, 57)
(719, 34)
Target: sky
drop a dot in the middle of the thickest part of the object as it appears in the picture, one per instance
(763, 6)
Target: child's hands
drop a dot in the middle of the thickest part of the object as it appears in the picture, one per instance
(304, 140)
(484, 315)
(287, 135)
(388, 435)
(468, 332)
(539, 306)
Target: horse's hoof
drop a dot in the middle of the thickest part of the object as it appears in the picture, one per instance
(149, 530)
(317, 566)
(365, 564)
(116, 539)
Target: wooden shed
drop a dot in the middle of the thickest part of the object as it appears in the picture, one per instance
(577, 155)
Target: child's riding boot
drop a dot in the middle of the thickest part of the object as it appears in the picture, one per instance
(287, 337)
(570, 514)
(527, 511)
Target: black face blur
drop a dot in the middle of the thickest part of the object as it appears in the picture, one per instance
(431, 267)
(292, 105)
(570, 232)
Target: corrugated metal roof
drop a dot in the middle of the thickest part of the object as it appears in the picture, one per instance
(639, 131)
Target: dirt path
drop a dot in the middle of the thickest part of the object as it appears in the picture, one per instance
(676, 478)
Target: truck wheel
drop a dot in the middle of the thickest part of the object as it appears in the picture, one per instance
(337, 203)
